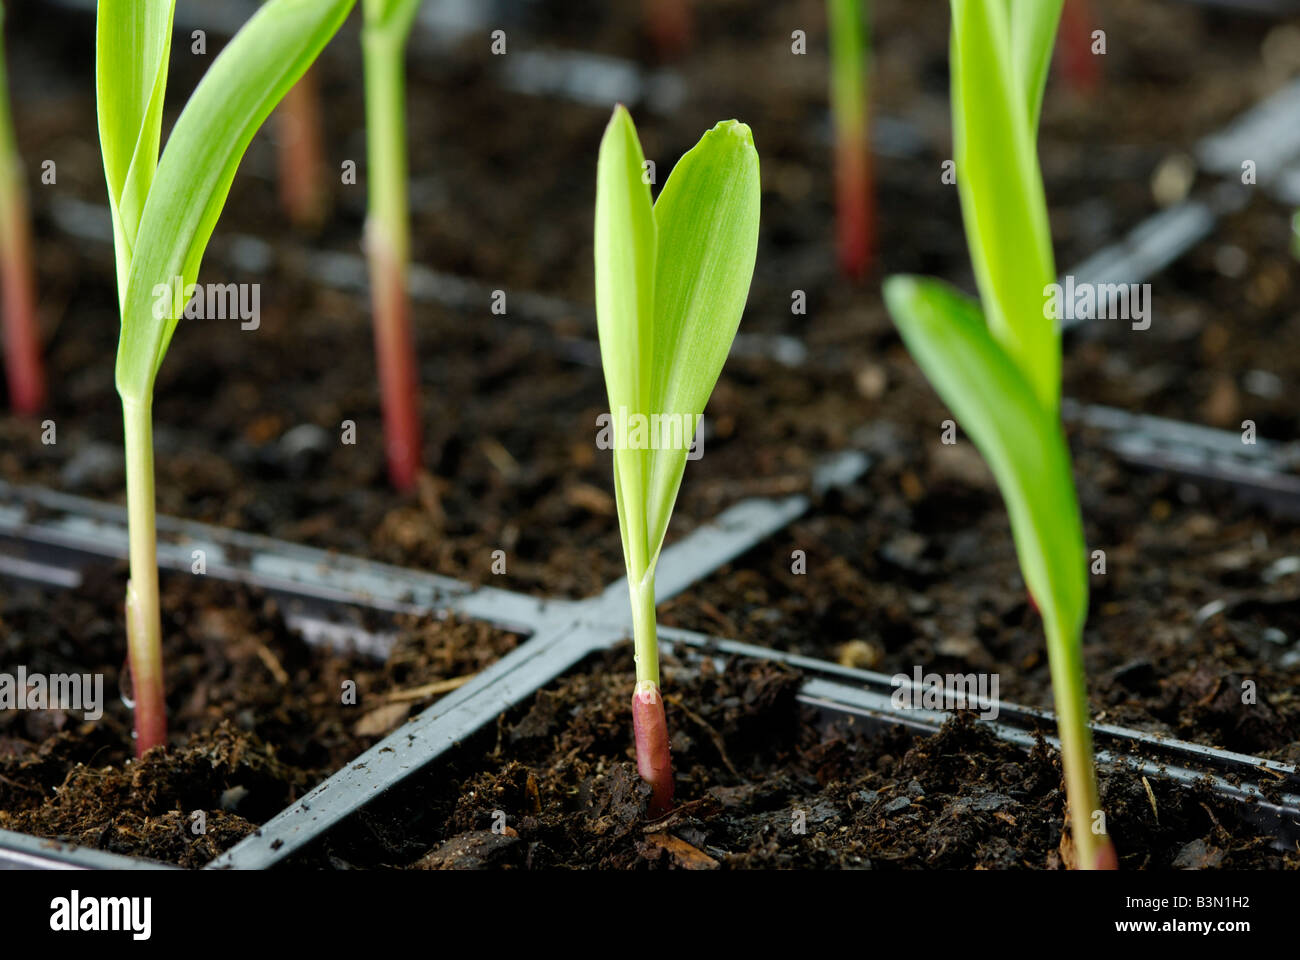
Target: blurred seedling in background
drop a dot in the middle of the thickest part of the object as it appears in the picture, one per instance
(999, 370)
(304, 188)
(384, 36)
(24, 369)
(670, 24)
(164, 212)
(1080, 66)
(855, 215)
(671, 284)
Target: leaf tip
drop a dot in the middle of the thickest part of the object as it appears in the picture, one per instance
(736, 129)
(898, 289)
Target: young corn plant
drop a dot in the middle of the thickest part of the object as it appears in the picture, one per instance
(384, 35)
(164, 212)
(671, 283)
(999, 370)
(854, 192)
(24, 370)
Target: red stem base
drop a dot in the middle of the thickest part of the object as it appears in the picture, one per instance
(303, 191)
(855, 207)
(395, 349)
(653, 758)
(22, 343)
(1079, 65)
(1106, 858)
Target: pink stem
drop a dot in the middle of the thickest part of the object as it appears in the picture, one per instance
(395, 349)
(1106, 858)
(854, 199)
(302, 154)
(653, 759)
(1082, 70)
(22, 345)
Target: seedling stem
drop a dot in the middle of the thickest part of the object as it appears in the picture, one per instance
(303, 192)
(22, 346)
(143, 611)
(854, 196)
(383, 41)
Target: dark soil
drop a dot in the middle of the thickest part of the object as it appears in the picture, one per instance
(1225, 332)
(256, 716)
(916, 566)
(557, 788)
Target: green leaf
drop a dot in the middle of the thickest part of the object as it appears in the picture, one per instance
(707, 217)
(625, 290)
(671, 284)
(193, 178)
(132, 44)
(1022, 442)
(1001, 187)
(1033, 34)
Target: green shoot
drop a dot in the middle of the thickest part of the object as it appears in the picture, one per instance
(854, 194)
(999, 370)
(671, 284)
(22, 345)
(164, 212)
(388, 242)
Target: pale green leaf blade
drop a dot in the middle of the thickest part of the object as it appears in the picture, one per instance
(1023, 444)
(1003, 205)
(707, 215)
(1033, 34)
(132, 50)
(193, 179)
(625, 251)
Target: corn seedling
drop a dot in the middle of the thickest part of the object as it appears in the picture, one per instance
(22, 347)
(388, 235)
(304, 193)
(164, 211)
(999, 370)
(854, 193)
(671, 283)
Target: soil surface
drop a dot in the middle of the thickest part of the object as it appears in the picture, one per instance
(555, 786)
(256, 716)
(916, 567)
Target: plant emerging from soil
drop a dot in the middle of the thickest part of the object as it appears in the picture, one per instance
(388, 233)
(22, 347)
(854, 197)
(164, 212)
(999, 370)
(671, 283)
